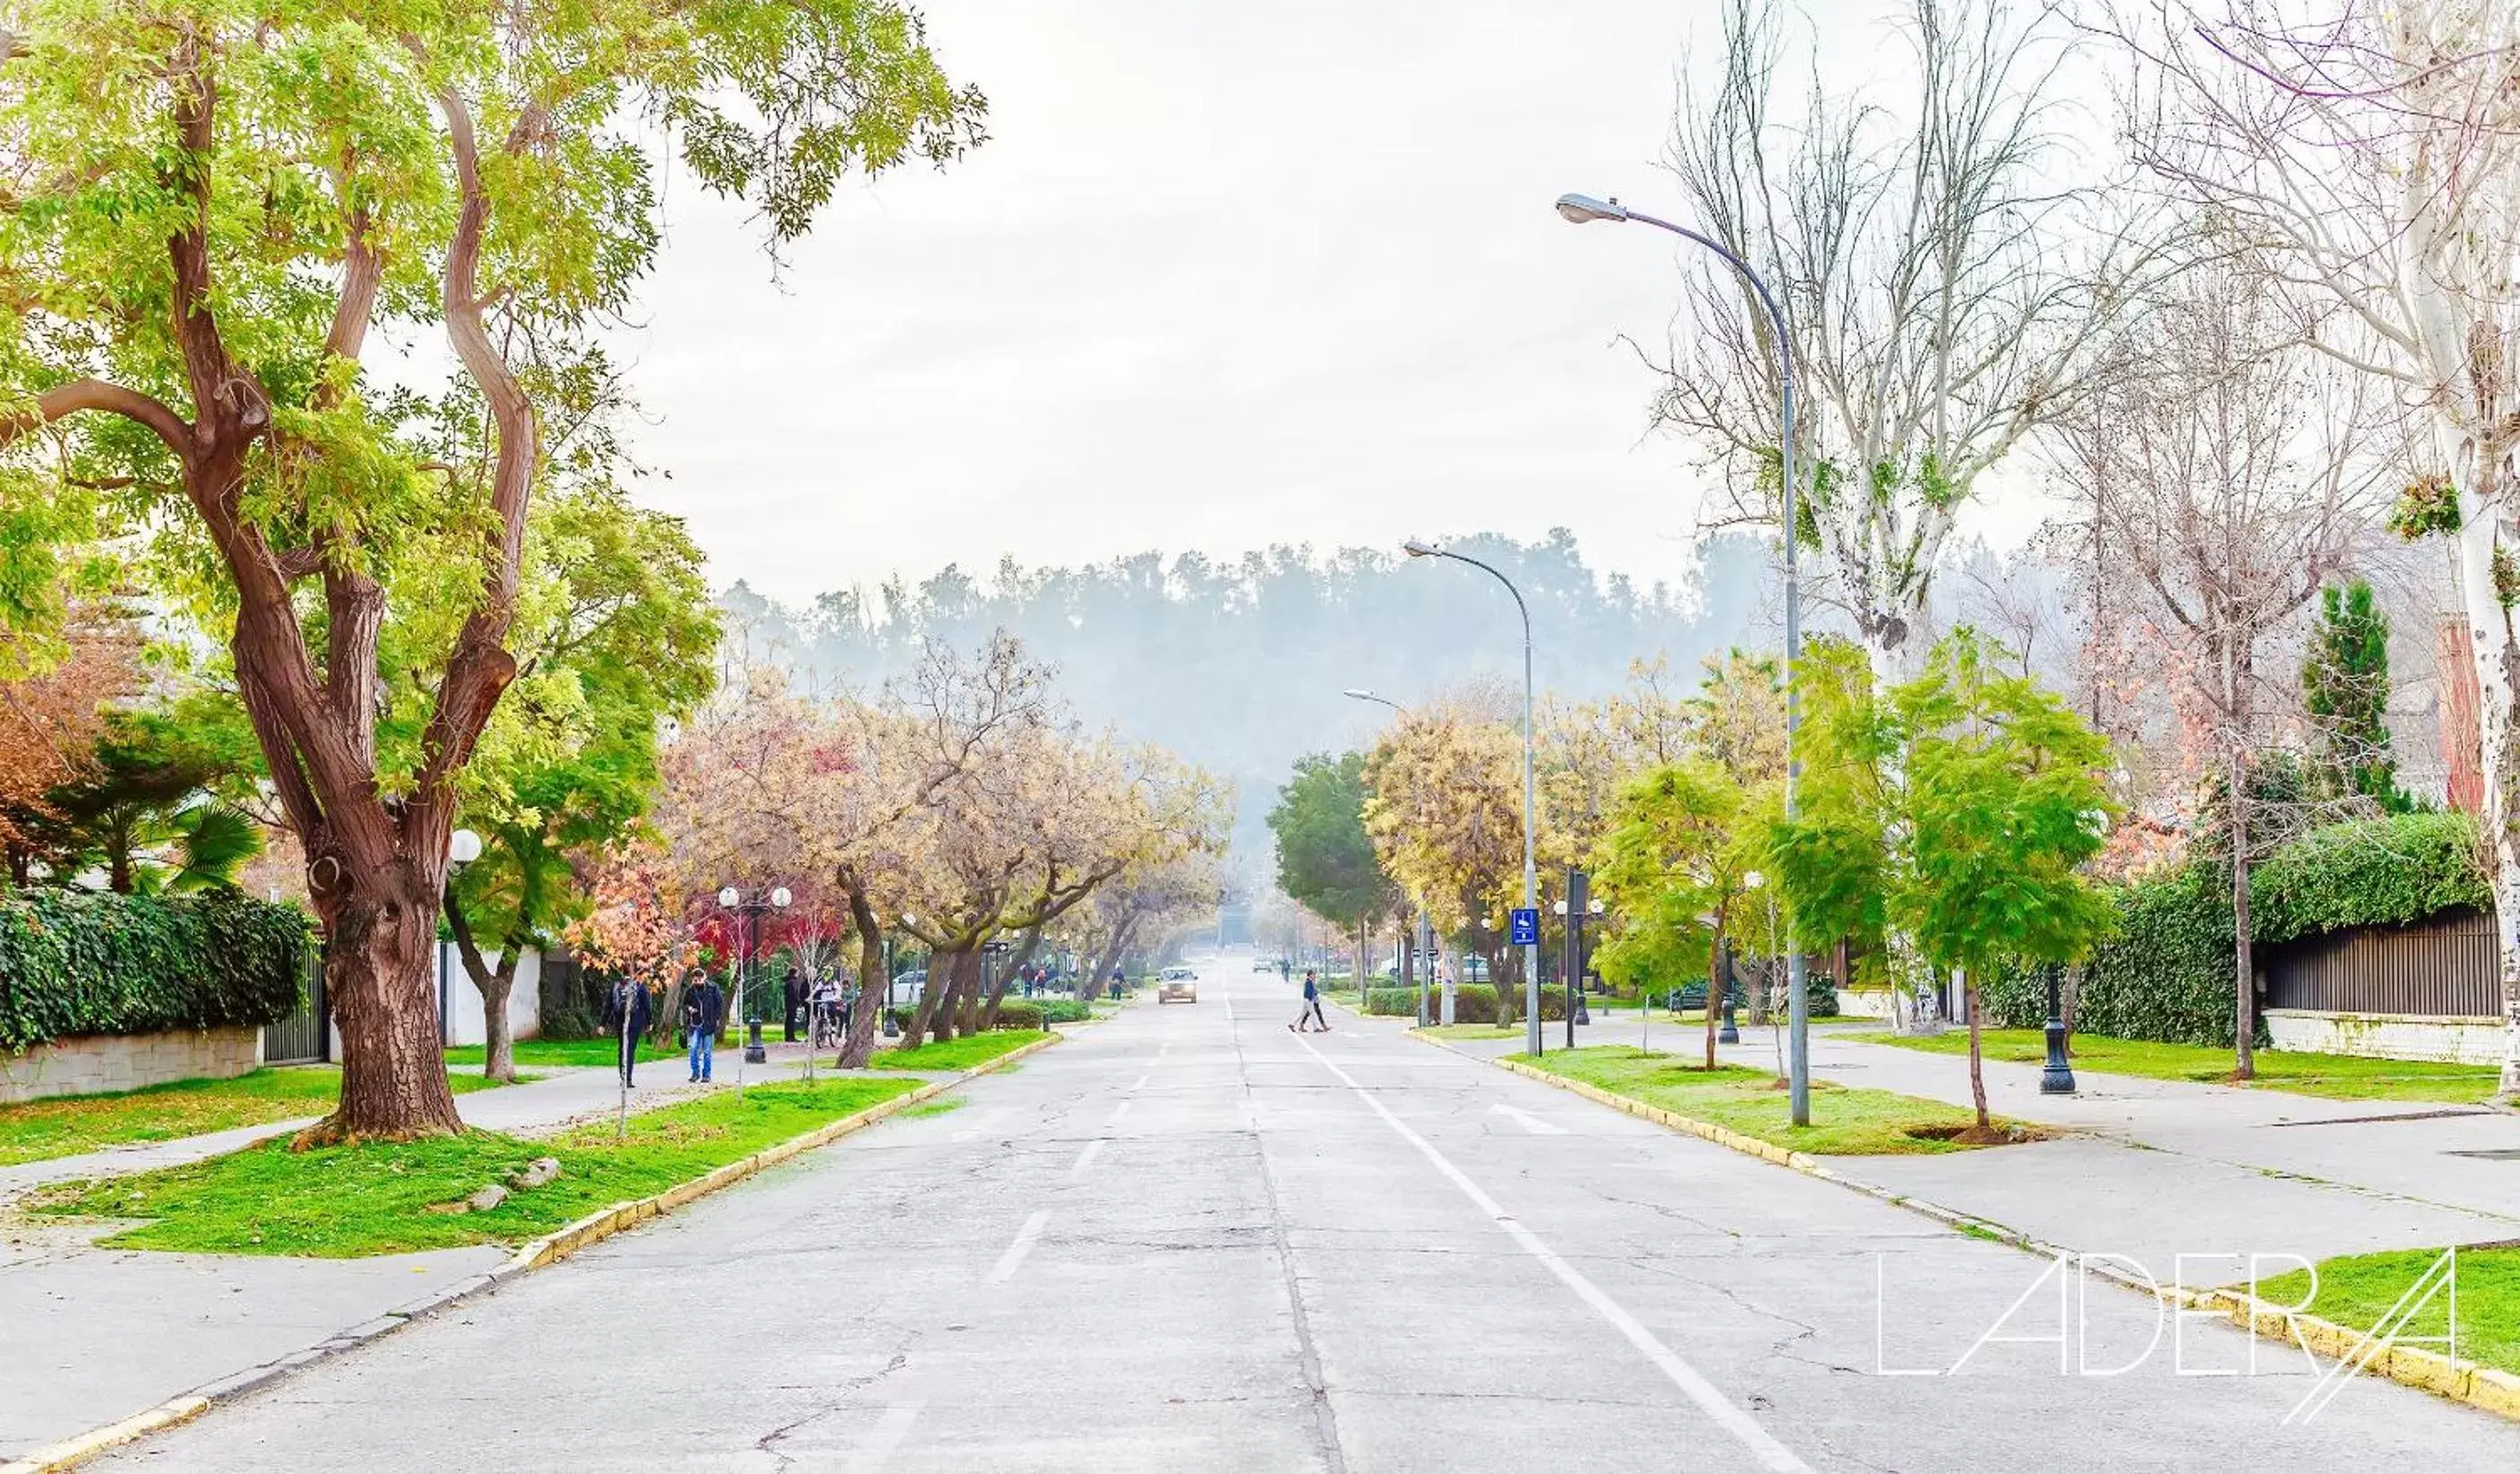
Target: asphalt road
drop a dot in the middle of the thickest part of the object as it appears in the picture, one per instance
(1188, 1240)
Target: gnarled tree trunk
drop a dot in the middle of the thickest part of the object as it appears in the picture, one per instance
(378, 976)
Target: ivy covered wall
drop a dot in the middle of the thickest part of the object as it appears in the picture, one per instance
(76, 962)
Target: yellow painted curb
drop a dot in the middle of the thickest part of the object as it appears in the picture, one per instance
(76, 1450)
(604, 1222)
(2460, 1381)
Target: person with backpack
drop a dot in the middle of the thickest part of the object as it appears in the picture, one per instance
(703, 1010)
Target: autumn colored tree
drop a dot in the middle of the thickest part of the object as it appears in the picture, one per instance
(213, 208)
(1444, 806)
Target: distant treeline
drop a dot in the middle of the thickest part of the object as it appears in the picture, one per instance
(1239, 665)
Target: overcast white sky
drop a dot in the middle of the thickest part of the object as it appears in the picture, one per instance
(1224, 275)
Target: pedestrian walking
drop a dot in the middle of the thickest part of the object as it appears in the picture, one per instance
(704, 1009)
(794, 991)
(625, 1016)
(1312, 1013)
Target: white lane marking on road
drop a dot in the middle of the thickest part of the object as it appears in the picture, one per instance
(1085, 1158)
(1166, 1049)
(1141, 1082)
(1118, 1111)
(1003, 1270)
(884, 1436)
(1527, 1120)
(1732, 1419)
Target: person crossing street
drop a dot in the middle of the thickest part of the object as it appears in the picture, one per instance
(1312, 1012)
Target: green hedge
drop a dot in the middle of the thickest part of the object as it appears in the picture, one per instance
(1060, 1010)
(75, 962)
(2167, 973)
(2371, 872)
(1472, 1002)
(1018, 1013)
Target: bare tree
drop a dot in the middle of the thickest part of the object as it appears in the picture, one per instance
(2375, 151)
(2228, 483)
(1945, 297)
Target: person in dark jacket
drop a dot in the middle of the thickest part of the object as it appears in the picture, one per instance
(797, 987)
(703, 1010)
(625, 1017)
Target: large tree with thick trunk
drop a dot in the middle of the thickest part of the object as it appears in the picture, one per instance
(209, 210)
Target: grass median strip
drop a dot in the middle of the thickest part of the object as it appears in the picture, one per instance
(66, 1126)
(348, 1202)
(2358, 1290)
(588, 1054)
(1845, 1122)
(2330, 1077)
(964, 1054)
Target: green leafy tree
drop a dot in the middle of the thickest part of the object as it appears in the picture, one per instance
(1326, 859)
(1678, 862)
(1832, 864)
(151, 810)
(2344, 684)
(620, 636)
(2001, 806)
(213, 206)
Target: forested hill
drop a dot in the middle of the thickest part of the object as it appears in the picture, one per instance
(1238, 666)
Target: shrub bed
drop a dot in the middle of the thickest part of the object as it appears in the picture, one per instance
(75, 962)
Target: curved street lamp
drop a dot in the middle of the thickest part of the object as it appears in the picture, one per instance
(1582, 210)
(1530, 872)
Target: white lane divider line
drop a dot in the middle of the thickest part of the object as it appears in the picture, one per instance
(1527, 1120)
(1141, 1082)
(1728, 1415)
(1118, 1111)
(1003, 1270)
(1085, 1158)
(883, 1437)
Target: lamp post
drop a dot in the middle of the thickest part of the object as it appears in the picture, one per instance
(462, 847)
(1580, 209)
(1575, 909)
(1530, 872)
(751, 905)
(1426, 955)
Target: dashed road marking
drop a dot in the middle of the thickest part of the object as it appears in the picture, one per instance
(883, 1437)
(1527, 1120)
(1003, 1270)
(1085, 1158)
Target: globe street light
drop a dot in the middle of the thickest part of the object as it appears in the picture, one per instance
(750, 906)
(1581, 209)
(1530, 872)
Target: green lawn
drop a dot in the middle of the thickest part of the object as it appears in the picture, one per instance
(2354, 1292)
(2333, 1076)
(566, 1053)
(1471, 1032)
(1845, 1122)
(347, 1202)
(958, 1053)
(66, 1126)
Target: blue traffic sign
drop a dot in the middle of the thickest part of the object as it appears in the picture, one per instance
(1526, 926)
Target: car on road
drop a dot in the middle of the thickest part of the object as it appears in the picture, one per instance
(1263, 965)
(1178, 985)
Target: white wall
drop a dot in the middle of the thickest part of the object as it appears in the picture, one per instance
(464, 1000)
(2387, 1036)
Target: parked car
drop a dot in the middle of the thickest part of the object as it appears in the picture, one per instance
(1178, 985)
(907, 987)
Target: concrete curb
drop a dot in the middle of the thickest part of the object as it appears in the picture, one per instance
(2462, 1381)
(543, 1251)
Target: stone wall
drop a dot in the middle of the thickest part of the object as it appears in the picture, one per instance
(89, 1064)
(2387, 1036)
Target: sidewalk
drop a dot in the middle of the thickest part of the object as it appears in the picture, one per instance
(91, 1335)
(2158, 1168)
